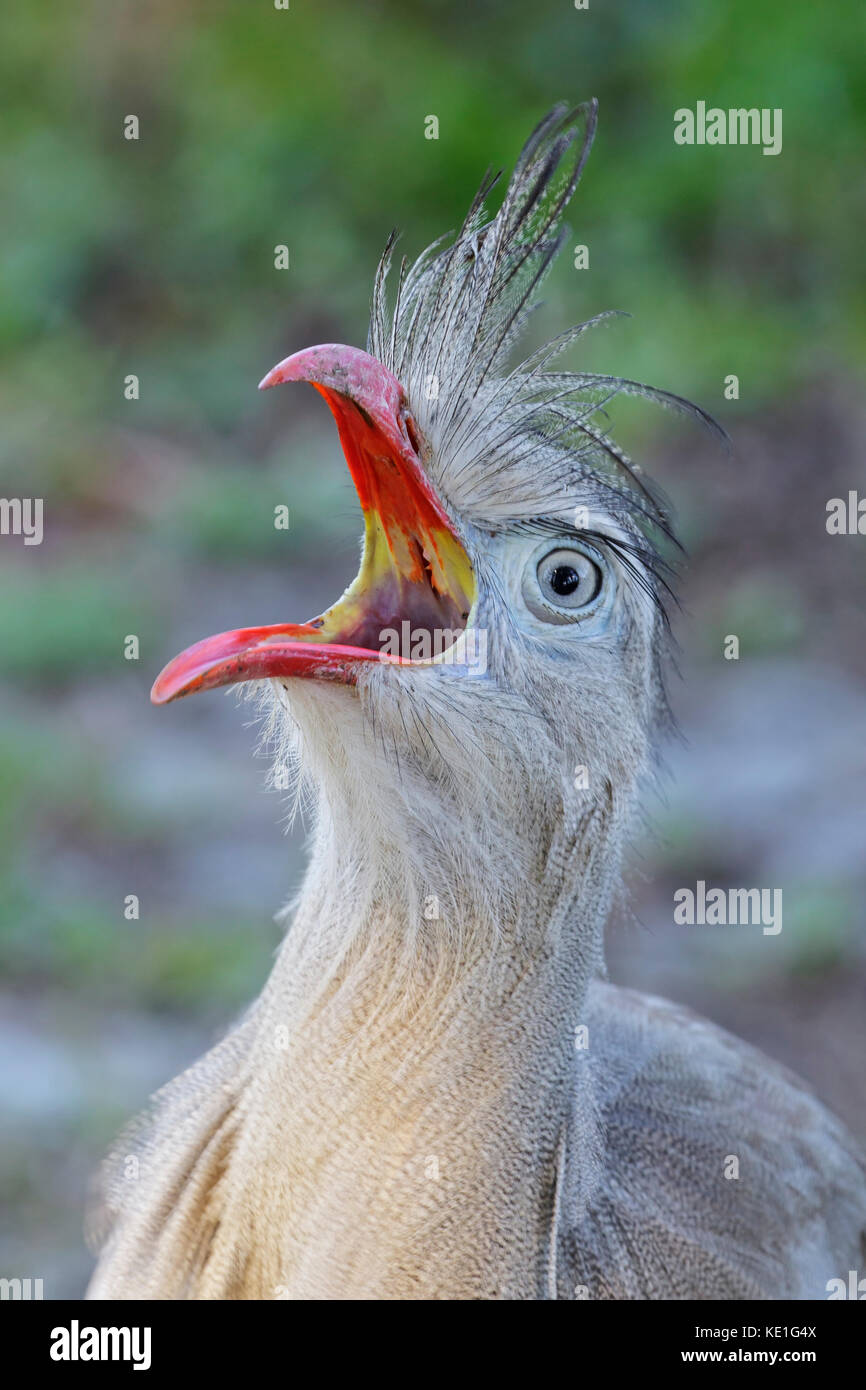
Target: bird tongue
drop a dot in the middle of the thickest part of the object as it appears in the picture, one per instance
(413, 570)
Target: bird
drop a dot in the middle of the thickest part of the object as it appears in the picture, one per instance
(439, 1094)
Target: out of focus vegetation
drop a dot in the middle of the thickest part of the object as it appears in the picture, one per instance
(155, 257)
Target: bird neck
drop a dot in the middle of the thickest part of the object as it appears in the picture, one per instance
(408, 1107)
(396, 930)
(414, 1069)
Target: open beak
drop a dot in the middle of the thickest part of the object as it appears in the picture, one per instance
(414, 568)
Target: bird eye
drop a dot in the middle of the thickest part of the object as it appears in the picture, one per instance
(563, 582)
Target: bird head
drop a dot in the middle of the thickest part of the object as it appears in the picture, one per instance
(481, 702)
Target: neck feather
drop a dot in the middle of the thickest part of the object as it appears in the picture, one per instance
(409, 1074)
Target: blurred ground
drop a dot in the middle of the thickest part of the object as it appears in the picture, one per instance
(158, 259)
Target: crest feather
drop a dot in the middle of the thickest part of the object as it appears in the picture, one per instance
(510, 445)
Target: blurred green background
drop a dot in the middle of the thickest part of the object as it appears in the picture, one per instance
(305, 127)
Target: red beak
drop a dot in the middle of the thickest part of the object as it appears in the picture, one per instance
(414, 568)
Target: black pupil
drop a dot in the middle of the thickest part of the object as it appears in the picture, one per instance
(564, 580)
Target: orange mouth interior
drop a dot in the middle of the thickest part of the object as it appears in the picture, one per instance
(415, 577)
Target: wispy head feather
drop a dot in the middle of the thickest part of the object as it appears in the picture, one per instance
(521, 442)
